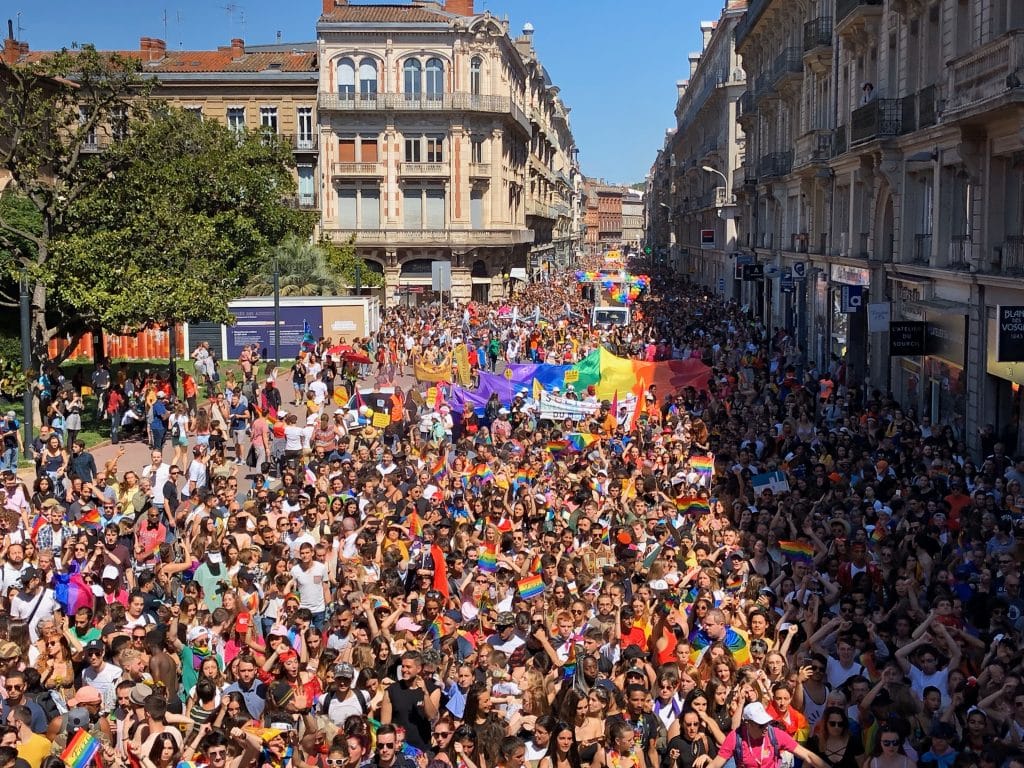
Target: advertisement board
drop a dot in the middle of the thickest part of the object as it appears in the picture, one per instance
(255, 325)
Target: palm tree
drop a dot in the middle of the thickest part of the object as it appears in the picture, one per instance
(303, 271)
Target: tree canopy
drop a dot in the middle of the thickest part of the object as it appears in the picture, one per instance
(192, 211)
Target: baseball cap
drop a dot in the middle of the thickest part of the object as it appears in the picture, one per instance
(9, 650)
(110, 572)
(405, 624)
(96, 646)
(75, 718)
(161, 395)
(85, 695)
(756, 713)
(344, 670)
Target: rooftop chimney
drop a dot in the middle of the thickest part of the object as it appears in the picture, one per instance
(706, 28)
(681, 88)
(12, 50)
(461, 7)
(694, 61)
(330, 5)
(237, 47)
(157, 49)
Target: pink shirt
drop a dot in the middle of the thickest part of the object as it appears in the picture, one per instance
(757, 754)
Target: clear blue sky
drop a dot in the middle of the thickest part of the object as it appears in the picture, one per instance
(616, 62)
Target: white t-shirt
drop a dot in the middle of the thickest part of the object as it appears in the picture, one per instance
(160, 473)
(939, 678)
(318, 389)
(196, 474)
(11, 576)
(293, 438)
(310, 586)
(104, 681)
(22, 606)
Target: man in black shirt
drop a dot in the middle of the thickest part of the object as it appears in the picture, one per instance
(412, 702)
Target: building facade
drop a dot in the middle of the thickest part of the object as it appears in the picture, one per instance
(882, 184)
(443, 139)
(633, 219)
(423, 131)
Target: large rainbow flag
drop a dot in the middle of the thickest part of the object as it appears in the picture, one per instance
(607, 372)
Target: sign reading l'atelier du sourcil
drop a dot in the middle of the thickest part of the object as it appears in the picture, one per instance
(1010, 329)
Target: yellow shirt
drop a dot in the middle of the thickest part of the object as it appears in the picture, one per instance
(34, 749)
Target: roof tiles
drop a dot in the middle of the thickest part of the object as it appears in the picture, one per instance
(391, 13)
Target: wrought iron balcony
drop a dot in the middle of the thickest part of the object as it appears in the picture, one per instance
(959, 252)
(774, 165)
(788, 64)
(839, 145)
(878, 118)
(818, 33)
(847, 8)
(1012, 255)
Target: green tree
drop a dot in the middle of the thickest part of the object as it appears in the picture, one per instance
(54, 114)
(342, 261)
(190, 212)
(302, 271)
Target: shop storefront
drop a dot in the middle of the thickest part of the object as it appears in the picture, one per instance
(846, 315)
(945, 391)
(1004, 384)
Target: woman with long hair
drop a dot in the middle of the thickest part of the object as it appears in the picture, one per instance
(833, 741)
(179, 424)
(540, 741)
(163, 752)
(563, 751)
(481, 715)
(888, 751)
(620, 748)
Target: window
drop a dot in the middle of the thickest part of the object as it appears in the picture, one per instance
(196, 112)
(435, 149)
(368, 149)
(476, 209)
(475, 75)
(268, 119)
(434, 212)
(90, 135)
(411, 85)
(435, 79)
(476, 150)
(347, 150)
(304, 127)
(412, 150)
(347, 209)
(368, 79)
(307, 190)
(119, 123)
(412, 208)
(347, 79)
(369, 208)
(236, 118)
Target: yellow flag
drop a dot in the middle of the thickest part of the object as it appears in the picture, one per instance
(538, 390)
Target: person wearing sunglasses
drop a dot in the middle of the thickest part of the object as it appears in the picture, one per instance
(888, 752)
(834, 742)
(388, 754)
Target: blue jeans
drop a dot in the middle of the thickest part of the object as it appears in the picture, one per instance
(319, 619)
(9, 458)
(115, 427)
(159, 436)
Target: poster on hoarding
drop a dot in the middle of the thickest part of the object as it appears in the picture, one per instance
(255, 325)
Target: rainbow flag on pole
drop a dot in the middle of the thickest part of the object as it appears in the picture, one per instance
(531, 586)
(797, 551)
(692, 505)
(704, 466)
(81, 750)
(91, 519)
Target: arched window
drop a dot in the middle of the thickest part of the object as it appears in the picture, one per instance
(475, 75)
(412, 86)
(435, 79)
(346, 79)
(368, 78)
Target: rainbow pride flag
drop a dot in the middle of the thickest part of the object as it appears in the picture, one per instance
(692, 505)
(81, 750)
(555, 447)
(530, 587)
(439, 469)
(797, 551)
(487, 560)
(415, 523)
(91, 519)
(434, 629)
(703, 465)
(580, 441)
(569, 668)
(483, 473)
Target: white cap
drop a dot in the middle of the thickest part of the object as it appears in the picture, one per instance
(161, 395)
(110, 572)
(756, 713)
(282, 414)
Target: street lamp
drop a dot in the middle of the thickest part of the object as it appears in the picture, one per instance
(26, 353)
(277, 312)
(709, 169)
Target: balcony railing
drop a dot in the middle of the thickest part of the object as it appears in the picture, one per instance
(876, 119)
(922, 249)
(959, 252)
(754, 10)
(798, 242)
(813, 147)
(306, 202)
(453, 237)
(789, 63)
(1012, 261)
(818, 33)
(775, 164)
(480, 170)
(423, 169)
(469, 102)
(357, 169)
(927, 106)
(846, 8)
(301, 142)
(993, 70)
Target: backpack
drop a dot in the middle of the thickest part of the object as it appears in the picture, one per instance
(48, 704)
(325, 705)
(738, 751)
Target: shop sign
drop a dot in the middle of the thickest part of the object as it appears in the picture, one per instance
(906, 338)
(752, 272)
(845, 275)
(851, 298)
(946, 337)
(1010, 330)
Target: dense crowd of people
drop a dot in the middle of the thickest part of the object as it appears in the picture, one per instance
(291, 580)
